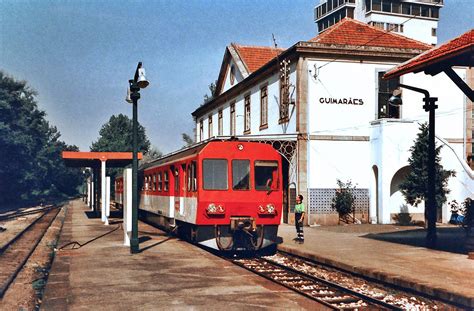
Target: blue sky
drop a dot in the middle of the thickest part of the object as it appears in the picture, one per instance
(79, 55)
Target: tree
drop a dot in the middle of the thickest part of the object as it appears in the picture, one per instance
(31, 166)
(187, 140)
(343, 201)
(116, 136)
(151, 155)
(212, 88)
(415, 186)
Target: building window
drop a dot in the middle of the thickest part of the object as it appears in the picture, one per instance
(433, 32)
(395, 7)
(201, 129)
(263, 106)
(219, 123)
(406, 8)
(377, 5)
(435, 12)
(232, 119)
(210, 131)
(379, 25)
(247, 115)
(350, 12)
(415, 10)
(386, 6)
(425, 11)
(386, 88)
(232, 75)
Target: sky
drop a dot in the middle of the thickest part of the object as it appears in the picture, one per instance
(79, 55)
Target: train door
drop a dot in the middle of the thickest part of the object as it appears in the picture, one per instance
(177, 194)
(286, 190)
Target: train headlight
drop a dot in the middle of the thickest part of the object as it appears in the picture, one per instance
(213, 209)
(268, 209)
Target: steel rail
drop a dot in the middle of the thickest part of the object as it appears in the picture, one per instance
(317, 281)
(9, 280)
(340, 287)
(19, 234)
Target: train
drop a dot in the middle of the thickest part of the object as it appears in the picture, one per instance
(224, 195)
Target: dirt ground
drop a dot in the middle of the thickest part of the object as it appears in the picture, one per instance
(25, 292)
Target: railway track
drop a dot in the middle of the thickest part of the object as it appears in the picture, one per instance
(322, 291)
(333, 288)
(17, 251)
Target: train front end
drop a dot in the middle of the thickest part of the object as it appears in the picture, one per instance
(240, 196)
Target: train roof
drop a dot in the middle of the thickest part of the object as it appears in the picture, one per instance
(183, 153)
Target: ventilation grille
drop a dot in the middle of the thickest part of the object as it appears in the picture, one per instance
(320, 200)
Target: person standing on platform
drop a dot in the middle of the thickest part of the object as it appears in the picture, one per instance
(299, 218)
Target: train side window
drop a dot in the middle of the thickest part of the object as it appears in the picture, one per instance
(153, 185)
(191, 178)
(241, 174)
(166, 182)
(160, 182)
(176, 179)
(266, 175)
(214, 172)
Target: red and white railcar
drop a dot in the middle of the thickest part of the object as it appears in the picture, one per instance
(225, 195)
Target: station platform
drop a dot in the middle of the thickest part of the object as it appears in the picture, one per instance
(392, 254)
(92, 270)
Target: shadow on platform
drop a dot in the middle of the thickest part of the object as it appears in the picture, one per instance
(113, 214)
(450, 239)
(155, 244)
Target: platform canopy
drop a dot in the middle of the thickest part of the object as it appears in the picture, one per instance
(457, 52)
(94, 159)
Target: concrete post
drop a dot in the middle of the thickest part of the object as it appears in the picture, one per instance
(103, 194)
(107, 197)
(89, 192)
(127, 205)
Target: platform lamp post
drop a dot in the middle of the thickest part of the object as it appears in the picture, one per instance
(430, 204)
(139, 82)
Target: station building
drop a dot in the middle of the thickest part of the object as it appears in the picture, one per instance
(324, 105)
(416, 19)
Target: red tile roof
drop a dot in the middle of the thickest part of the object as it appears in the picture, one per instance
(351, 32)
(255, 57)
(456, 46)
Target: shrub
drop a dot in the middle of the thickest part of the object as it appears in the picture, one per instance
(343, 201)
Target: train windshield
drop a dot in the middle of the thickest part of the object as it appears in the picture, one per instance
(266, 175)
(240, 174)
(214, 174)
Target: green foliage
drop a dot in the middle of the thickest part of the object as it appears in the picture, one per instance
(151, 155)
(116, 136)
(343, 201)
(467, 210)
(212, 89)
(415, 186)
(31, 166)
(187, 140)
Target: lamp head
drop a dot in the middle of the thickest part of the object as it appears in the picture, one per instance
(142, 82)
(128, 98)
(396, 98)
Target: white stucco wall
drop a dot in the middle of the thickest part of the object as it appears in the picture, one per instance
(333, 154)
(237, 74)
(416, 28)
(273, 91)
